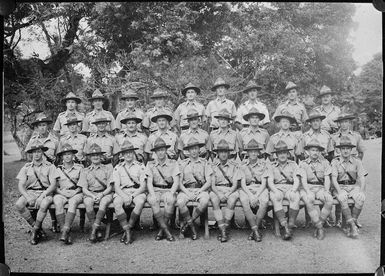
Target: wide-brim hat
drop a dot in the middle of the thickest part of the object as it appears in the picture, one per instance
(126, 146)
(345, 142)
(192, 114)
(314, 115)
(161, 115)
(252, 85)
(159, 93)
(66, 148)
(253, 145)
(191, 86)
(253, 111)
(222, 146)
(192, 143)
(101, 120)
(97, 95)
(95, 149)
(344, 116)
(220, 82)
(131, 117)
(72, 96)
(281, 146)
(130, 94)
(290, 85)
(159, 143)
(287, 115)
(325, 91)
(73, 120)
(41, 119)
(314, 143)
(35, 147)
(225, 114)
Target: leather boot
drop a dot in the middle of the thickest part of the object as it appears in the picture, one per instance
(93, 233)
(353, 230)
(251, 236)
(287, 234)
(123, 238)
(34, 236)
(321, 233)
(63, 236)
(159, 236)
(257, 235)
(169, 236)
(358, 224)
(128, 237)
(223, 234)
(55, 227)
(194, 234)
(41, 234)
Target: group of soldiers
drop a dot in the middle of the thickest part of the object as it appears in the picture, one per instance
(218, 154)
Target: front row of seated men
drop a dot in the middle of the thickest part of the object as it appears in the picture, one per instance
(254, 182)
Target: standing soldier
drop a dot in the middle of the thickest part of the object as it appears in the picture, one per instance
(96, 185)
(215, 106)
(284, 119)
(285, 186)
(316, 185)
(37, 182)
(327, 109)
(97, 100)
(67, 190)
(224, 188)
(195, 131)
(148, 124)
(76, 140)
(162, 120)
(254, 187)
(101, 137)
(195, 182)
(129, 97)
(190, 92)
(162, 184)
(294, 107)
(130, 132)
(252, 89)
(253, 131)
(130, 186)
(71, 101)
(348, 179)
(316, 132)
(224, 132)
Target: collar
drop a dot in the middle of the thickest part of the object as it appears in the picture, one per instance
(311, 132)
(93, 112)
(339, 133)
(126, 110)
(127, 134)
(284, 133)
(250, 130)
(259, 162)
(189, 131)
(199, 160)
(221, 101)
(350, 160)
(282, 165)
(249, 102)
(308, 160)
(160, 133)
(37, 164)
(194, 102)
(98, 134)
(220, 130)
(72, 136)
(323, 108)
(290, 103)
(128, 165)
(67, 113)
(94, 167)
(166, 162)
(72, 167)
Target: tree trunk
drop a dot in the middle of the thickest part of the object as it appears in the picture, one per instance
(19, 141)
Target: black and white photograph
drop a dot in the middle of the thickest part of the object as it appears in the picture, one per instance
(192, 137)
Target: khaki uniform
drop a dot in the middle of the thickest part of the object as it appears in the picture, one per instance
(217, 105)
(169, 137)
(147, 123)
(65, 184)
(244, 108)
(322, 136)
(201, 135)
(331, 115)
(289, 137)
(355, 138)
(91, 116)
(102, 172)
(51, 142)
(261, 136)
(77, 142)
(180, 113)
(124, 113)
(297, 109)
(138, 140)
(232, 137)
(62, 118)
(106, 141)
(290, 169)
(232, 170)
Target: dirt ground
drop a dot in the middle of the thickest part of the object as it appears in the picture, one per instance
(303, 254)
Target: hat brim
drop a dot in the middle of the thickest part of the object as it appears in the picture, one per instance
(345, 118)
(97, 98)
(247, 89)
(93, 153)
(323, 94)
(254, 148)
(194, 145)
(279, 117)
(290, 88)
(137, 120)
(62, 152)
(223, 117)
(104, 121)
(77, 100)
(42, 121)
(314, 146)
(42, 148)
(216, 150)
(159, 147)
(218, 85)
(320, 117)
(129, 97)
(73, 122)
(158, 96)
(282, 150)
(193, 117)
(125, 150)
(345, 145)
(196, 89)
(260, 115)
(155, 118)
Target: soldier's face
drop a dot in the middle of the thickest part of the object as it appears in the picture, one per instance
(161, 153)
(191, 94)
(130, 102)
(223, 122)
(285, 123)
(71, 104)
(282, 156)
(253, 93)
(194, 152)
(221, 90)
(96, 158)
(42, 128)
(313, 153)
(101, 126)
(97, 104)
(68, 157)
(254, 120)
(292, 94)
(253, 154)
(128, 156)
(346, 151)
(193, 123)
(326, 99)
(37, 154)
(72, 127)
(159, 102)
(131, 126)
(162, 123)
(345, 124)
(223, 155)
(315, 123)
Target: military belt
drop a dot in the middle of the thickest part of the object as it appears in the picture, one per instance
(36, 189)
(223, 185)
(99, 191)
(346, 182)
(192, 185)
(315, 183)
(162, 186)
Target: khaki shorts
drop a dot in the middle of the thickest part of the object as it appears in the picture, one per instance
(182, 198)
(352, 190)
(128, 191)
(35, 194)
(78, 198)
(285, 189)
(255, 188)
(318, 191)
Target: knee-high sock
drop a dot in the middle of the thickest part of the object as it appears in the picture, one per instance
(347, 214)
(356, 212)
(325, 212)
(123, 221)
(218, 217)
(250, 218)
(261, 214)
(91, 217)
(39, 219)
(133, 218)
(280, 214)
(69, 220)
(229, 213)
(60, 219)
(292, 216)
(99, 215)
(197, 213)
(26, 214)
(160, 219)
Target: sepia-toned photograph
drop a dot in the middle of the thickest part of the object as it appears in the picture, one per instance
(192, 137)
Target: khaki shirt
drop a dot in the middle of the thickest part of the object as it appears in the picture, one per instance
(316, 168)
(62, 118)
(288, 137)
(138, 140)
(74, 173)
(91, 116)
(102, 172)
(137, 171)
(244, 108)
(46, 172)
(180, 113)
(124, 113)
(353, 166)
(331, 115)
(106, 141)
(77, 141)
(201, 135)
(246, 134)
(260, 169)
(355, 138)
(231, 169)
(290, 169)
(200, 168)
(169, 137)
(217, 105)
(322, 136)
(170, 168)
(147, 123)
(51, 142)
(297, 109)
(231, 136)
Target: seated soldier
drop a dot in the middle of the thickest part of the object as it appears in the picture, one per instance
(224, 188)
(284, 186)
(162, 184)
(95, 181)
(67, 191)
(316, 185)
(129, 179)
(195, 181)
(195, 131)
(37, 182)
(348, 179)
(254, 187)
